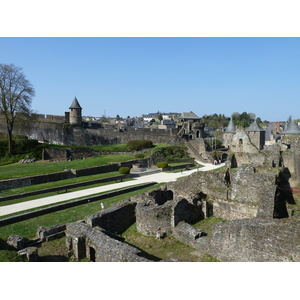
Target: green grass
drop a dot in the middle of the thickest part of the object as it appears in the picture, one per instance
(23, 170)
(28, 228)
(167, 248)
(207, 224)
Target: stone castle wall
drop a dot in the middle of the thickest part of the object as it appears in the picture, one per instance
(61, 134)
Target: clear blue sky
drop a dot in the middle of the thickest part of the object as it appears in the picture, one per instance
(135, 76)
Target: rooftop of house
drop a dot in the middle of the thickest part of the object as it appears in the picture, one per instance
(189, 115)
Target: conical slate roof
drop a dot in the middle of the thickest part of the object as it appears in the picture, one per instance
(75, 104)
(292, 128)
(254, 127)
(231, 127)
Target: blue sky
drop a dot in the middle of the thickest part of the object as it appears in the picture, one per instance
(135, 76)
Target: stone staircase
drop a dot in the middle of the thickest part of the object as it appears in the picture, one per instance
(194, 153)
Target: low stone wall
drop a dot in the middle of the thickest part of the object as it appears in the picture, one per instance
(85, 241)
(151, 217)
(191, 236)
(116, 218)
(32, 180)
(63, 188)
(109, 168)
(67, 174)
(96, 170)
(44, 233)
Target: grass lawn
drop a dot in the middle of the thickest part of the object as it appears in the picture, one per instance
(22, 170)
(167, 248)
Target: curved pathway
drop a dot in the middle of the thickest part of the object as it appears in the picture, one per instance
(157, 177)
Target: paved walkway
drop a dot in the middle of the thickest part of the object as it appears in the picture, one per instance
(157, 177)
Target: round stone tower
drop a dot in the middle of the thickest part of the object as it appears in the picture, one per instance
(75, 113)
(229, 134)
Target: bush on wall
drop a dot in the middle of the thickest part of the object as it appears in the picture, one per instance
(139, 145)
(124, 170)
(162, 164)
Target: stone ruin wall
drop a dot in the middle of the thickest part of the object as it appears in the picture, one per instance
(84, 241)
(243, 199)
(246, 240)
(115, 219)
(256, 240)
(251, 234)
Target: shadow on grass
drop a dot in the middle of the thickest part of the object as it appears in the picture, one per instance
(53, 258)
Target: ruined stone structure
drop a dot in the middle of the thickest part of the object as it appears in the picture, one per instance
(255, 230)
(95, 237)
(262, 219)
(190, 127)
(246, 141)
(95, 244)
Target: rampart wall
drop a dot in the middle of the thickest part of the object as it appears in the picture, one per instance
(61, 134)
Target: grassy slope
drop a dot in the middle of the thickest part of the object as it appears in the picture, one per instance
(22, 170)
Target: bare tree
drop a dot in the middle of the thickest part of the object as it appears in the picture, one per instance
(16, 94)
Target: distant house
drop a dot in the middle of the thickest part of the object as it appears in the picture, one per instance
(150, 116)
(165, 116)
(167, 124)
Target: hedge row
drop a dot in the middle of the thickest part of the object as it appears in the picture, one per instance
(139, 145)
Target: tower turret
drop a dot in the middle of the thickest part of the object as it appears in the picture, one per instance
(75, 113)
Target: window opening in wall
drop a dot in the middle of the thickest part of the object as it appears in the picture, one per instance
(240, 142)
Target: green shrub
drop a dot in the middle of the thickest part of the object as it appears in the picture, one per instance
(162, 164)
(140, 155)
(124, 170)
(139, 145)
(169, 154)
(20, 146)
